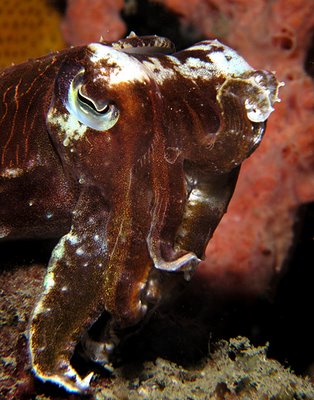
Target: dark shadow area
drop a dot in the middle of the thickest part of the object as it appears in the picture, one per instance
(149, 18)
(290, 330)
(59, 5)
(309, 59)
(24, 252)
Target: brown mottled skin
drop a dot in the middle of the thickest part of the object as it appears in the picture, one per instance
(25, 145)
(121, 199)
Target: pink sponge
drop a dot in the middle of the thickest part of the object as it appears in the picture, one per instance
(86, 21)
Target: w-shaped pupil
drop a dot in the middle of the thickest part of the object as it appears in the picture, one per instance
(88, 102)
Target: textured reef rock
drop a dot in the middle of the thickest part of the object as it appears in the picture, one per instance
(236, 371)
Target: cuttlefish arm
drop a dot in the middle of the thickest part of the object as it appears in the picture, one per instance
(72, 298)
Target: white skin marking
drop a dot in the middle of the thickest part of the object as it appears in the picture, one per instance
(79, 251)
(160, 73)
(159, 263)
(71, 128)
(194, 68)
(199, 47)
(234, 66)
(224, 63)
(109, 346)
(126, 68)
(49, 281)
(142, 307)
(4, 231)
(207, 45)
(73, 239)
(260, 109)
(11, 173)
(71, 380)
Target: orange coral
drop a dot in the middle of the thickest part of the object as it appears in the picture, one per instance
(28, 29)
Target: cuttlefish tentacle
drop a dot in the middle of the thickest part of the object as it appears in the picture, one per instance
(167, 209)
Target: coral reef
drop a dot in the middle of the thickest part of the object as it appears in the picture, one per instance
(235, 371)
(28, 29)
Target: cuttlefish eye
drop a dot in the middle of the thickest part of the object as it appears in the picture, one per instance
(99, 115)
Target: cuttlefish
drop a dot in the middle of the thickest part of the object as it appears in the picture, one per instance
(129, 153)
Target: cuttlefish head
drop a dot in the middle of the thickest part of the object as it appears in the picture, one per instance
(100, 117)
